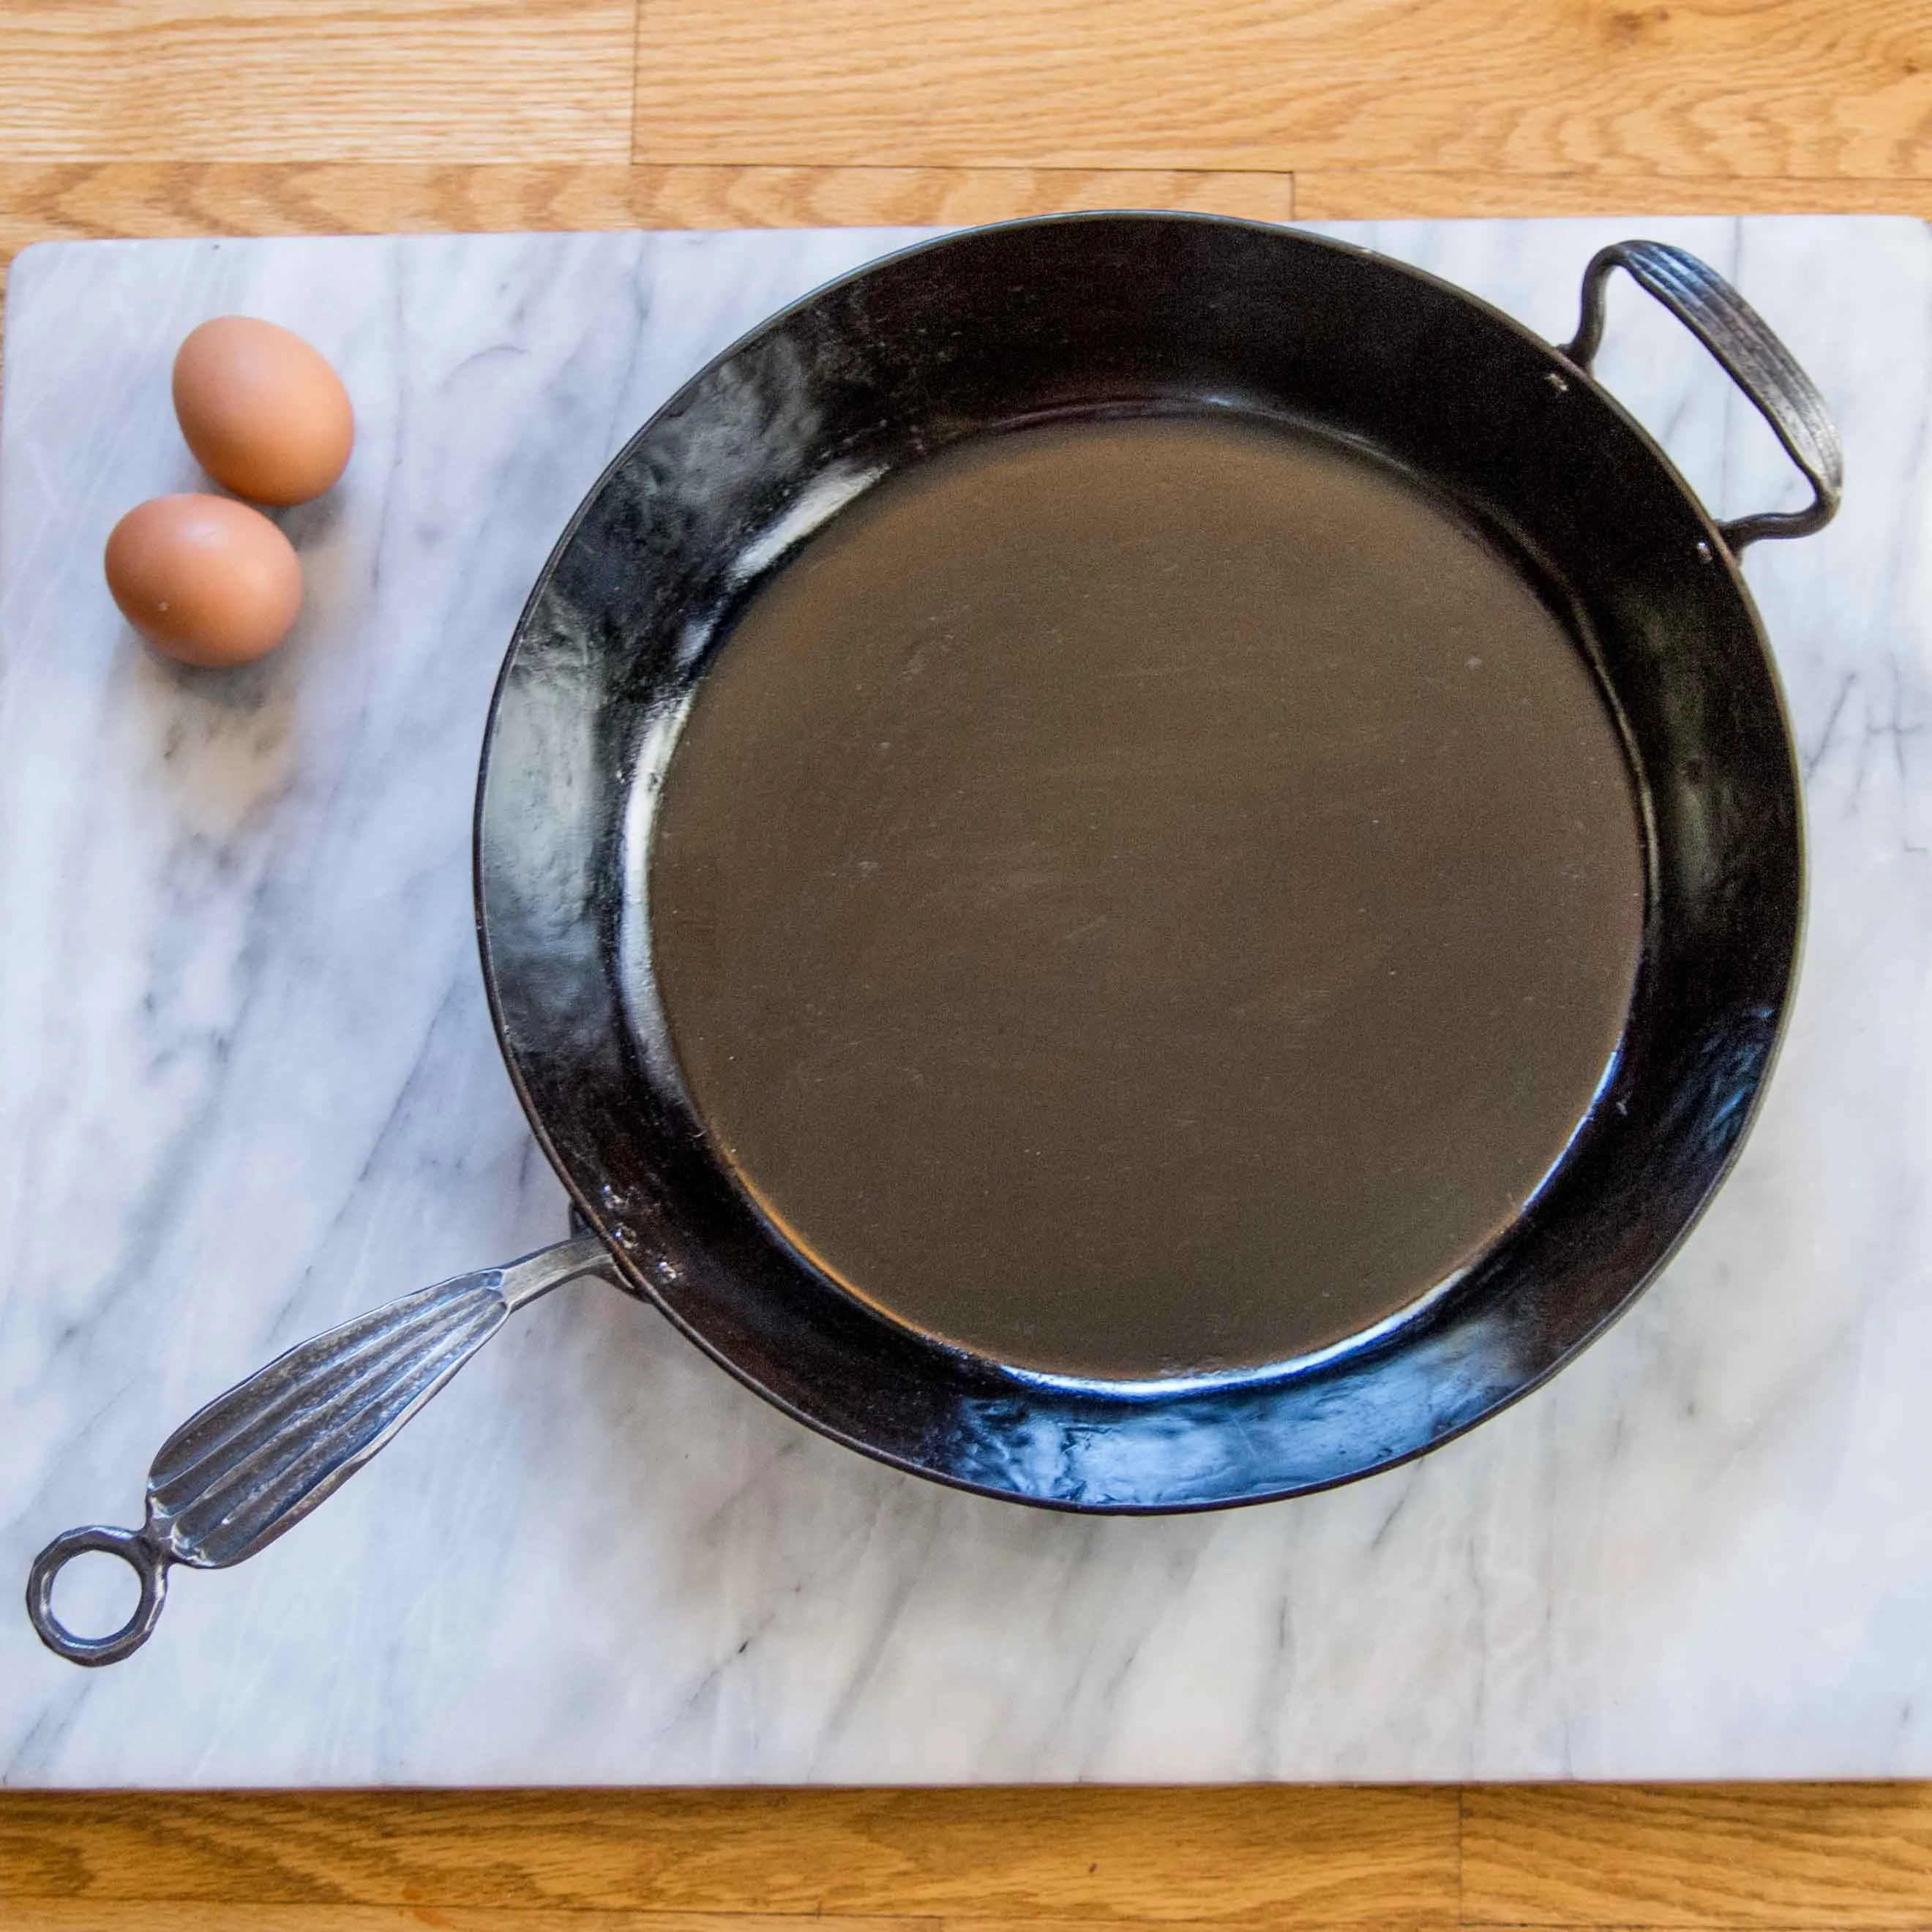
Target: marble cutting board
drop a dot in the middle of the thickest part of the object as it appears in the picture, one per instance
(247, 1087)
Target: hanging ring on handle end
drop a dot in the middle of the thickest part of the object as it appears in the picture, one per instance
(139, 1551)
(1744, 347)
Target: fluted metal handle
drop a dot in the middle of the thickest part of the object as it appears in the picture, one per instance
(257, 1460)
(1750, 355)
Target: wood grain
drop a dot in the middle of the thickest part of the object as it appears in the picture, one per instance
(71, 1916)
(294, 79)
(1770, 1858)
(1243, 1856)
(1704, 88)
(1383, 195)
(1848, 1856)
(68, 1915)
(47, 200)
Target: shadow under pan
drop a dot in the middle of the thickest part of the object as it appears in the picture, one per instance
(1138, 897)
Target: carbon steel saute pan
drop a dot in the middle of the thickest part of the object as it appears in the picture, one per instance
(1136, 862)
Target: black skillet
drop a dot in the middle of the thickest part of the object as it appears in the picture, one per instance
(1105, 315)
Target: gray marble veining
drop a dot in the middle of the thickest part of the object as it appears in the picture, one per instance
(250, 1089)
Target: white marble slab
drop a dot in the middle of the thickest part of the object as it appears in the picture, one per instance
(247, 1087)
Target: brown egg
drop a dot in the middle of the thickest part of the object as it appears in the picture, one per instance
(263, 412)
(205, 579)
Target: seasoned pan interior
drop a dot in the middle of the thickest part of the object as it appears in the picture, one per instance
(1147, 896)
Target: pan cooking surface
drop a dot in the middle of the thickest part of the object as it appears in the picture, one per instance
(1145, 897)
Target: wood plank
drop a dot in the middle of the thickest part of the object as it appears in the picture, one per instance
(68, 1915)
(76, 1915)
(1800, 88)
(286, 79)
(1255, 1856)
(1851, 1856)
(48, 201)
(1388, 195)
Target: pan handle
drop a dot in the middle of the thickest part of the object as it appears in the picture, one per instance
(257, 1460)
(1736, 334)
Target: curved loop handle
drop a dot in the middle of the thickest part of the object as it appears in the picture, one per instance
(253, 1463)
(1736, 334)
(135, 1549)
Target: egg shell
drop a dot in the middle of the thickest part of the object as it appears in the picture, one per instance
(263, 412)
(205, 579)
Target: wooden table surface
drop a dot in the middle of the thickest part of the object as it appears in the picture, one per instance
(185, 117)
